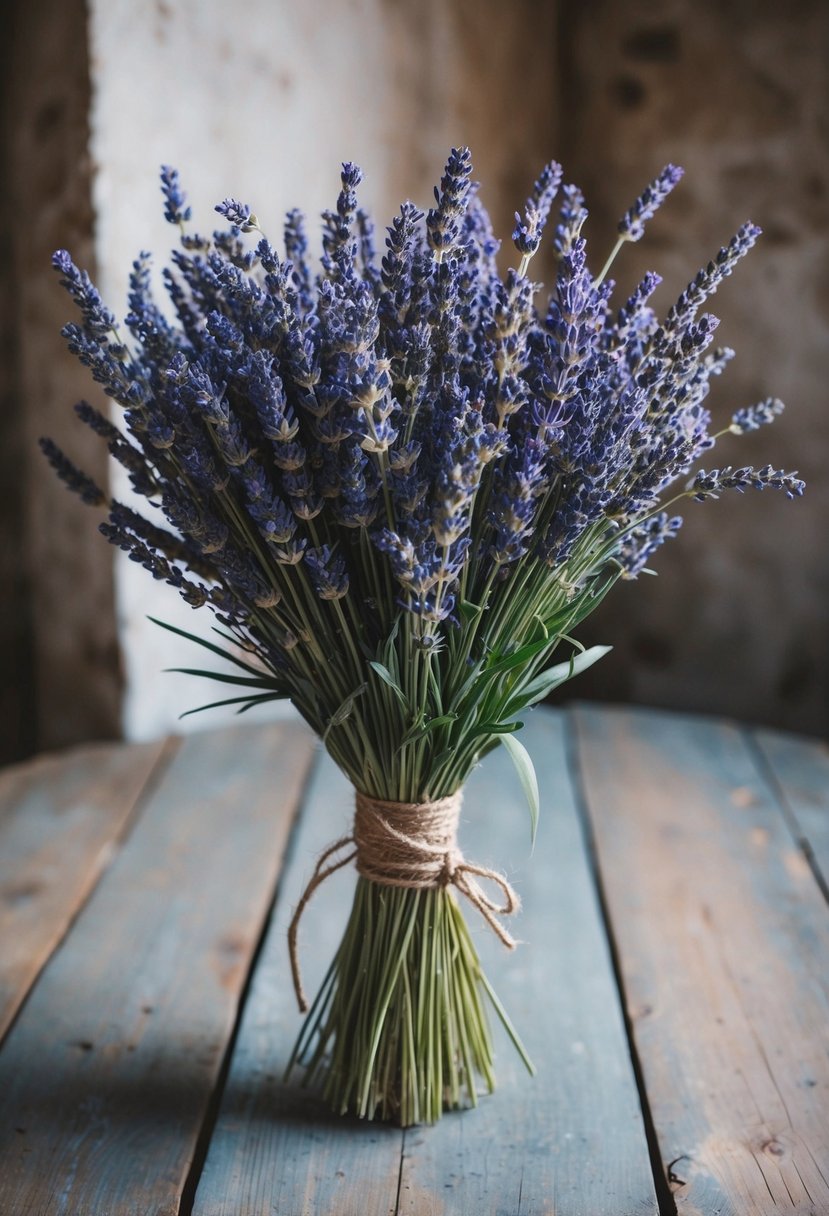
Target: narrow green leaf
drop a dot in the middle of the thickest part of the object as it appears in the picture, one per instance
(248, 701)
(417, 732)
(544, 683)
(517, 658)
(343, 711)
(192, 637)
(526, 773)
(262, 681)
(494, 728)
(469, 612)
(271, 696)
(544, 628)
(387, 678)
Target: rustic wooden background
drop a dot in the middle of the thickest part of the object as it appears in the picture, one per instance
(96, 95)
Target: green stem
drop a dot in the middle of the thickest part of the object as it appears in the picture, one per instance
(399, 1029)
(614, 251)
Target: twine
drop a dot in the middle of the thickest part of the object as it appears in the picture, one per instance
(406, 844)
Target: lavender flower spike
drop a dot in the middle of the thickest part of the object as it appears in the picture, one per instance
(239, 214)
(709, 483)
(71, 476)
(176, 211)
(443, 221)
(632, 223)
(527, 233)
(752, 417)
(328, 572)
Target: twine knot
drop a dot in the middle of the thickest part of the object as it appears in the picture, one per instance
(407, 844)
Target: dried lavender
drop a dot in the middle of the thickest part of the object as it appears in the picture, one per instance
(400, 483)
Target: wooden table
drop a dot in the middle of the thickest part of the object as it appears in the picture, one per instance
(673, 987)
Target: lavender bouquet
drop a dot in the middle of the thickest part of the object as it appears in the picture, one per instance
(400, 487)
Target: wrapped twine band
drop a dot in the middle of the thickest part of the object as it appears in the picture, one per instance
(407, 844)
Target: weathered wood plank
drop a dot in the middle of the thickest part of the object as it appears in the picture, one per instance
(275, 1148)
(61, 818)
(800, 768)
(106, 1075)
(568, 1141)
(723, 938)
(571, 1140)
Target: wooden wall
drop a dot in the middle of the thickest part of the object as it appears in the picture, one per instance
(59, 656)
(737, 93)
(265, 109)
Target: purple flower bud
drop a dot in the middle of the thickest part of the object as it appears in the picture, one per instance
(752, 417)
(238, 213)
(71, 476)
(443, 222)
(176, 210)
(329, 576)
(632, 223)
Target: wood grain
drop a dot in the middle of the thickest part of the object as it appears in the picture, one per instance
(61, 818)
(569, 1141)
(723, 937)
(800, 770)
(106, 1075)
(275, 1148)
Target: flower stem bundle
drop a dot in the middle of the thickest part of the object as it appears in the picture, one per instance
(400, 483)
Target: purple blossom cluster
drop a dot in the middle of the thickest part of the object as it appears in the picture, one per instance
(419, 422)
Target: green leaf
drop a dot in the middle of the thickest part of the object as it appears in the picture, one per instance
(247, 703)
(417, 732)
(518, 657)
(469, 612)
(542, 685)
(478, 683)
(526, 773)
(544, 628)
(494, 728)
(387, 678)
(343, 712)
(260, 681)
(271, 696)
(192, 637)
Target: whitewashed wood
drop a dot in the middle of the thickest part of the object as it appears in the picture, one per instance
(275, 1147)
(61, 819)
(723, 938)
(800, 769)
(570, 1140)
(106, 1076)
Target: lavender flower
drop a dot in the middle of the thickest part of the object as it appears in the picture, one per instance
(752, 417)
(339, 242)
(141, 474)
(296, 251)
(176, 210)
(443, 222)
(239, 214)
(571, 219)
(709, 279)
(409, 436)
(710, 483)
(98, 321)
(328, 572)
(632, 223)
(641, 543)
(529, 227)
(71, 476)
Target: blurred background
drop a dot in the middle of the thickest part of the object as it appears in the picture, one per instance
(263, 102)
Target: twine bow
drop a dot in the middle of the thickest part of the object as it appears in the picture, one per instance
(406, 844)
